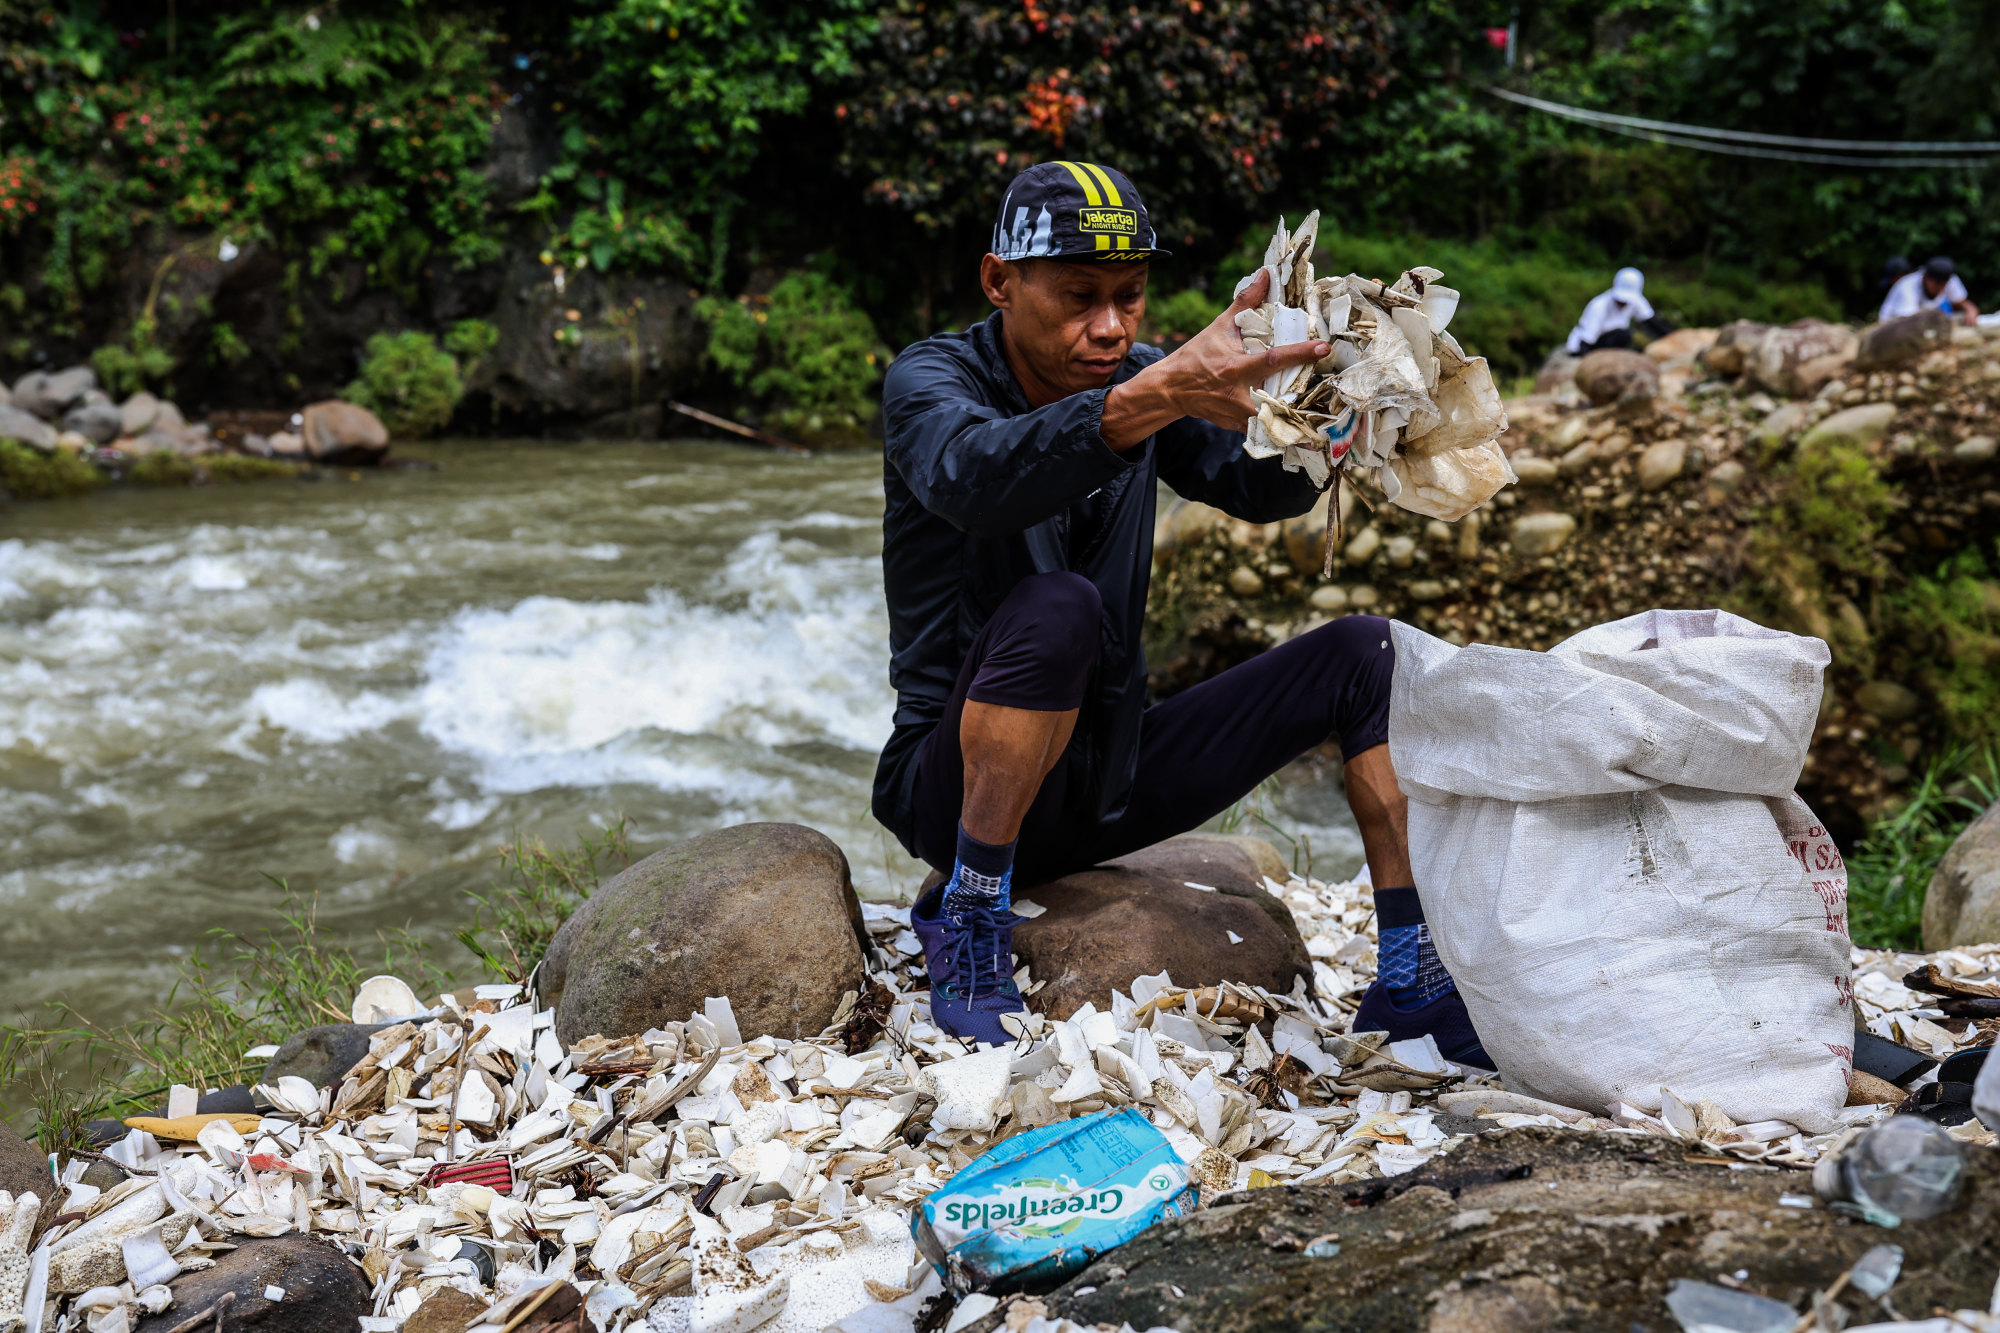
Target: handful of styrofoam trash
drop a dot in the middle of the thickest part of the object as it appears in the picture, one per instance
(1397, 395)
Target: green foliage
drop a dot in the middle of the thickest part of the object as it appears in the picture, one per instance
(251, 989)
(1815, 556)
(359, 126)
(1204, 105)
(1184, 313)
(162, 468)
(27, 474)
(1890, 871)
(471, 341)
(513, 925)
(408, 381)
(139, 362)
(231, 468)
(805, 349)
(1946, 638)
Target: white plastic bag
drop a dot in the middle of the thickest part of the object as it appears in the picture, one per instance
(1617, 871)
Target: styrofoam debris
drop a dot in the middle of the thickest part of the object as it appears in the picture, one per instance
(822, 1152)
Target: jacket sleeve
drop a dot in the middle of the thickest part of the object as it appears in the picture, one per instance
(1205, 462)
(978, 469)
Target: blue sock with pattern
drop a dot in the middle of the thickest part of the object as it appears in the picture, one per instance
(1405, 959)
(984, 875)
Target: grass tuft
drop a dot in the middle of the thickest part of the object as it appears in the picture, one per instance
(512, 926)
(1891, 870)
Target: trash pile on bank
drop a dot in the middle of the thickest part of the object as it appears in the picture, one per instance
(697, 1176)
(1396, 397)
(67, 412)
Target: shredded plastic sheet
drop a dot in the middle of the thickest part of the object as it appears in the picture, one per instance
(631, 1164)
(1396, 397)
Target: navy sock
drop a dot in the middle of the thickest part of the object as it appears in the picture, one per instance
(984, 875)
(1405, 959)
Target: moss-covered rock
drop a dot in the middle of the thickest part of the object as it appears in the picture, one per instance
(28, 474)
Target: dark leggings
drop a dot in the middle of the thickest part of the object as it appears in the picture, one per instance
(1199, 752)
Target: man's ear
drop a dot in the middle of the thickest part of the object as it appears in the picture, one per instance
(999, 280)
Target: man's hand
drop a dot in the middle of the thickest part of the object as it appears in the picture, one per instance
(1209, 376)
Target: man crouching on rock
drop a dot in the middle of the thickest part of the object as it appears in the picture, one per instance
(1017, 547)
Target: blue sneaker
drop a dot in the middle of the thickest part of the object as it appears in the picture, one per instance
(969, 953)
(1443, 1017)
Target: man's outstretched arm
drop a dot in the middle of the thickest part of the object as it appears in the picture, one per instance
(1207, 377)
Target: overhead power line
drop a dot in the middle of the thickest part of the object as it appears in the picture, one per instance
(1744, 143)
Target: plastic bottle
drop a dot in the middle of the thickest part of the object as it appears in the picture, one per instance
(1905, 1167)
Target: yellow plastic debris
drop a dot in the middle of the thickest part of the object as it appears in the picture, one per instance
(183, 1129)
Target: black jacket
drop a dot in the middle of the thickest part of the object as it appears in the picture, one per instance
(982, 492)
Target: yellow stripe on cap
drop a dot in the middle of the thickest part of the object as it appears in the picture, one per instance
(1090, 194)
(1110, 193)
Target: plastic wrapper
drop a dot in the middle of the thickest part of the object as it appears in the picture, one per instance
(1045, 1203)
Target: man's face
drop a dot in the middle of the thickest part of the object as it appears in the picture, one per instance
(1932, 287)
(1070, 324)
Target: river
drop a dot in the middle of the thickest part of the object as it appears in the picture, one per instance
(367, 685)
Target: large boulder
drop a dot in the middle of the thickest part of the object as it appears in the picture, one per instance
(1800, 357)
(322, 1055)
(1615, 375)
(1137, 915)
(1681, 345)
(27, 429)
(1520, 1230)
(1963, 903)
(1894, 342)
(1556, 372)
(49, 395)
(1733, 345)
(136, 413)
(343, 434)
(323, 1290)
(22, 1165)
(763, 914)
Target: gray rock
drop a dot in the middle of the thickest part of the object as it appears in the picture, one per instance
(1897, 341)
(48, 396)
(22, 1165)
(1861, 426)
(322, 1055)
(168, 417)
(324, 1290)
(1534, 471)
(344, 434)
(1136, 915)
(137, 413)
(1660, 463)
(1541, 534)
(100, 423)
(6, 394)
(1731, 349)
(1888, 700)
(1520, 1231)
(1976, 449)
(1962, 905)
(29, 430)
(764, 914)
(1617, 376)
(1778, 425)
(1557, 371)
(1727, 477)
(1800, 357)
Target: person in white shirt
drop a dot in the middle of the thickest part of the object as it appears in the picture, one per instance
(1607, 321)
(1935, 286)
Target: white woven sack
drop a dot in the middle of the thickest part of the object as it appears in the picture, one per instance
(1614, 864)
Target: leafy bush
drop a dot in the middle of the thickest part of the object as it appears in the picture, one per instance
(1816, 551)
(805, 349)
(1946, 637)
(408, 381)
(471, 341)
(1203, 104)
